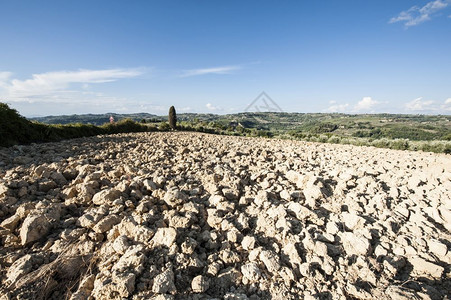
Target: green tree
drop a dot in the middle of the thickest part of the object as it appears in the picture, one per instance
(172, 118)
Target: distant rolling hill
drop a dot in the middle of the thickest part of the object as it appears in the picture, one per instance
(373, 126)
(95, 119)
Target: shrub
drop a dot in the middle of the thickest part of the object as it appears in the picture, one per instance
(381, 143)
(123, 126)
(324, 128)
(334, 139)
(447, 149)
(400, 144)
(163, 126)
(152, 127)
(15, 129)
(323, 138)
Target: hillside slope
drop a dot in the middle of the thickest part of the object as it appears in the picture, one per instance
(196, 216)
(375, 126)
(17, 130)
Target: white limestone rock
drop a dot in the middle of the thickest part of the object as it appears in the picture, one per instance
(164, 283)
(34, 228)
(355, 244)
(106, 196)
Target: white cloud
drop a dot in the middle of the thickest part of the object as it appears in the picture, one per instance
(447, 105)
(419, 105)
(341, 108)
(211, 107)
(216, 70)
(4, 76)
(56, 82)
(366, 104)
(185, 109)
(417, 15)
(65, 92)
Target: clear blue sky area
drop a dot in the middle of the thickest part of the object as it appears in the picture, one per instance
(68, 57)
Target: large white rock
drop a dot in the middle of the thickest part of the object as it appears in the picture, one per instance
(84, 289)
(445, 213)
(437, 248)
(33, 228)
(19, 268)
(175, 197)
(164, 237)
(295, 178)
(200, 284)
(125, 283)
(422, 267)
(355, 244)
(11, 222)
(251, 272)
(106, 196)
(301, 211)
(214, 200)
(106, 223)
(248, 242)
(292, 252)
(121, 244)
(353, 221)
(164, 283)
(132, 260)
(89, 220)
(271, 260)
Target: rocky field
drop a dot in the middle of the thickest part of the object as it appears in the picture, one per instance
(195, 216)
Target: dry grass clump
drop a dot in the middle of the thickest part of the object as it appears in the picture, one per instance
(57, 279)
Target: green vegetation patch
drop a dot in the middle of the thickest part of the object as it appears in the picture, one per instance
(15, 129)
(394, 131)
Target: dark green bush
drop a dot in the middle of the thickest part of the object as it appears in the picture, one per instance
(400, 144)
(324, 128)
(124, 126)
(163, 126)
(447, 149)
(15, 129)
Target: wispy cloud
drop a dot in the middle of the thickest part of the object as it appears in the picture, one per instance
(369, 105)
(212, 107)
(336, 107)
(185, 109)
(56, 82)
(4, 77)
(417, 15)
(63, 92)
(215, 70)
(366, 104)
(420, 105)
(447, 105)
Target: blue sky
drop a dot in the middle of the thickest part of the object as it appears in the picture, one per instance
(67, 57)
